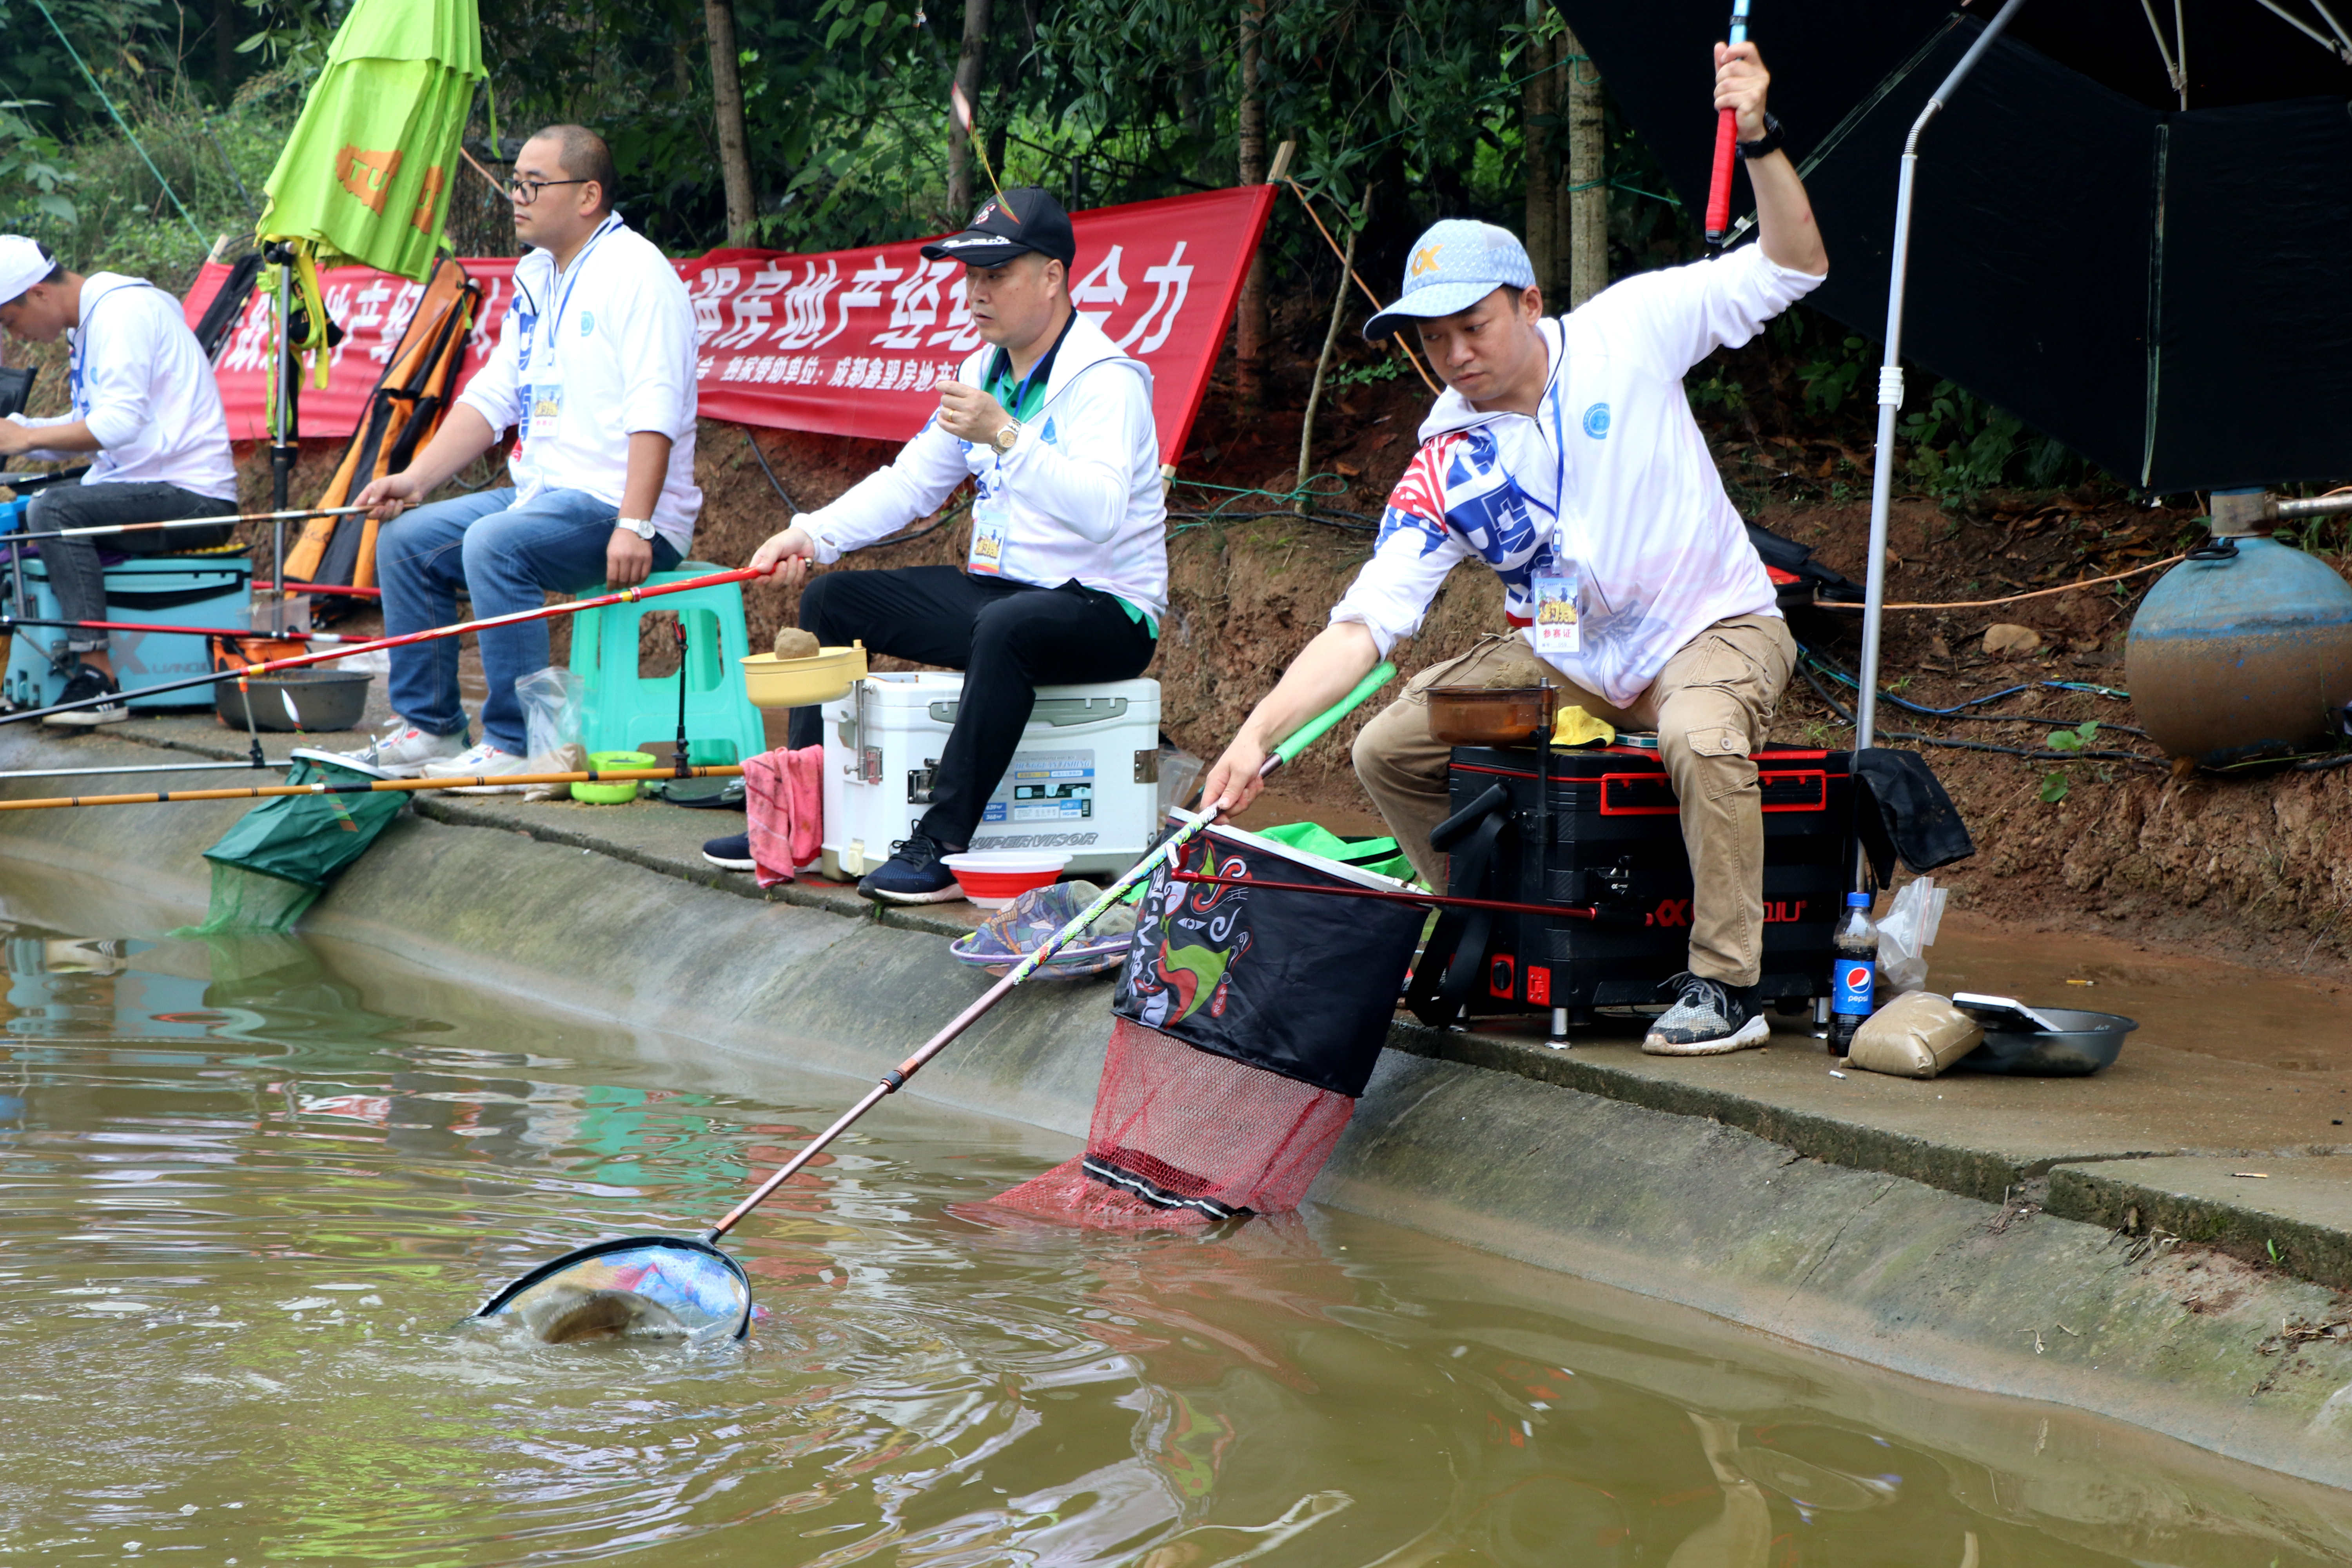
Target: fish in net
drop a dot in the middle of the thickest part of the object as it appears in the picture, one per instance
(1181, 1137)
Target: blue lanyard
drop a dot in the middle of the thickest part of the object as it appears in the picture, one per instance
(81, 347)
(579, 265)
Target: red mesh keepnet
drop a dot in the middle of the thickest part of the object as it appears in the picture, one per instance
(1195, 1126)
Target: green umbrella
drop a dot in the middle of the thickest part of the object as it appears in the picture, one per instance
(367, 173)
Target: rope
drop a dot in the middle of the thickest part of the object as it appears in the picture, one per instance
(117, 114)
(2014, 599)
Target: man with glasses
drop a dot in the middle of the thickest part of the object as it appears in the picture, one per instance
(595, 370)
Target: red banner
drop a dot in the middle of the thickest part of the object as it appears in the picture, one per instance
(849, 342)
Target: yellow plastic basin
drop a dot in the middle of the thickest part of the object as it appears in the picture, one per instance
(772, 682)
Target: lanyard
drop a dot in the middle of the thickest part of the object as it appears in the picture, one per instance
(1568, 519)
(579, 265)
(81, 345)
(1030, 394)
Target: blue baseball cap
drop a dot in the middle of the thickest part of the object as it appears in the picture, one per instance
(1455, 264)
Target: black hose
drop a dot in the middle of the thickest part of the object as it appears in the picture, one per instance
(778, 484)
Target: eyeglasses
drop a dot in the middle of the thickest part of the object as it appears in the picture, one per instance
(522, 193)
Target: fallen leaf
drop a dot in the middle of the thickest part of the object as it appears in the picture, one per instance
(2005, 640)
(1348, 470)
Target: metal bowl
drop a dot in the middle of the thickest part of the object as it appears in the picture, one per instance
(313, 699)
(1490, 716)
(2084, 1043)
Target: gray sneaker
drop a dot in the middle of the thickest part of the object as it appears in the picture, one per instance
(403, 750)
(1708, 1019)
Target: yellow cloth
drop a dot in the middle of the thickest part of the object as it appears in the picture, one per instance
(1575, 727)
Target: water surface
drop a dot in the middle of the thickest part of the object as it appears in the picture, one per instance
(248, 1189)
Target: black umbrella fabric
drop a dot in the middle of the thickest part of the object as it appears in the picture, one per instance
(2166, 290)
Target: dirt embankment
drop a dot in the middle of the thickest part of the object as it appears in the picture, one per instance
(2257, 866)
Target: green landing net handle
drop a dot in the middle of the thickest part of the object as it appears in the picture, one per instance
(1314, 729)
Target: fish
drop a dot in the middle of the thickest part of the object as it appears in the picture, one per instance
(567, 1315)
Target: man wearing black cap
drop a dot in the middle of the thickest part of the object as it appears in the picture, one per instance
(1068, 573)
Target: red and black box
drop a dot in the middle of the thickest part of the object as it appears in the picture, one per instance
(1609, 835)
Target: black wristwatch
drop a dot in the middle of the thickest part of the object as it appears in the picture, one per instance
(1769, 143)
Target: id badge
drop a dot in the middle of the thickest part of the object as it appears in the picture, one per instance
(1559, 629)
(991, 522)
(546, 409)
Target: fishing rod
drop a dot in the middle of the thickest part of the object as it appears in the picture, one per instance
(141, 768)
(99, 528)
(375, 786)
(8, 622)
(295, 661)
(345, 589)
(1726, 146)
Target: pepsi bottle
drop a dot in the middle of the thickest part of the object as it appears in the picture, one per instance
(1854, 972)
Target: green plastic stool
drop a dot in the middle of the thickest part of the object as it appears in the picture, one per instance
(623, 709)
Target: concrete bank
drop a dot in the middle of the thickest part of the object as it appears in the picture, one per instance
(1860, 1218)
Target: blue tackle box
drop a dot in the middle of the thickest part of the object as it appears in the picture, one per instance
(211, 589)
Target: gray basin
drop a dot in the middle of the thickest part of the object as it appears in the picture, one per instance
(2083, 1043)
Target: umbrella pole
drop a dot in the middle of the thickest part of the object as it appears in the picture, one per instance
(1890, 382)
(282, 449)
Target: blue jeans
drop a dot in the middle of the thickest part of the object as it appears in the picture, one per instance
(506, 558)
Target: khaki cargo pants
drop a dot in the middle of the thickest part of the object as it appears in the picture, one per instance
(1711, 706)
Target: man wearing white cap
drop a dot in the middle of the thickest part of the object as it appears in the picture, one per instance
(1563, 454)
(144, 402)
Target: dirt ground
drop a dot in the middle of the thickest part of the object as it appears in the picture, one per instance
(2255, 866)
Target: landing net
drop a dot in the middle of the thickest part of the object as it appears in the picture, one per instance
(1182, 1136)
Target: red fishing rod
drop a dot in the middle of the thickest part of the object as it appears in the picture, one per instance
(1726, 146)
(345, 589)
(9, 622)
(295, 661)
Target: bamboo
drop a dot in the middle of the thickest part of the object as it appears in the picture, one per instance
(376, 786)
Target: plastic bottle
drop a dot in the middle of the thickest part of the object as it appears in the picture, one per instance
(1854, 972)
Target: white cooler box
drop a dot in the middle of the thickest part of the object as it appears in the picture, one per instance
(1084, 780)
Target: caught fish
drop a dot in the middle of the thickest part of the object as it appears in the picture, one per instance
(568, 1316)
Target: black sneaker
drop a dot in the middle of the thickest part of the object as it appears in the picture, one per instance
(913, 874)
(88, 681)
(1708, 1019)
(733, 853)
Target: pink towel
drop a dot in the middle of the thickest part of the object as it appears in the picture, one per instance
(783, 794)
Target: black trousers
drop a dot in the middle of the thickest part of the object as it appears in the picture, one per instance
(1009, 639)
(76, 576)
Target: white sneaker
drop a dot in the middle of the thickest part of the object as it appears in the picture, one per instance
(486, 761)
(402, 751)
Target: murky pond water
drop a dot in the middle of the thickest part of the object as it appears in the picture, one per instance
(249, 1188)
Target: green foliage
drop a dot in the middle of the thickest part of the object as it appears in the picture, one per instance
(2075, 739)
(1829, 381)
(2053, 787)
(33, 175)
(1961, 444)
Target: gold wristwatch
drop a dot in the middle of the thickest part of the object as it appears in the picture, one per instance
(1005, 439)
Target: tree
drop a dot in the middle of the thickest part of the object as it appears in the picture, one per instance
(727, 110)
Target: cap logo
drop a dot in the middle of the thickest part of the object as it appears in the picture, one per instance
(1424, 259)
(986, 213)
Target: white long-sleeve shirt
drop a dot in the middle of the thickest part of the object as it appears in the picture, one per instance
(143, 386)
(587, 358)
(1611, 482)
(1080, 491)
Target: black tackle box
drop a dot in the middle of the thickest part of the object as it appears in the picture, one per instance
(1611, 835)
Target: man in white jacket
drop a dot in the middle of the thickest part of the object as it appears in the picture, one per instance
(596, 367)
(145, 405)
(1068, 574)
(1563, 454)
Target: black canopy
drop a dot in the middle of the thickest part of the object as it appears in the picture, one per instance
(2168, 290)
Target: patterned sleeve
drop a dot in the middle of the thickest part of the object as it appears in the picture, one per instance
(1414, 552)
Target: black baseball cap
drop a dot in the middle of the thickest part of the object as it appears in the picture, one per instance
(1022, 219)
